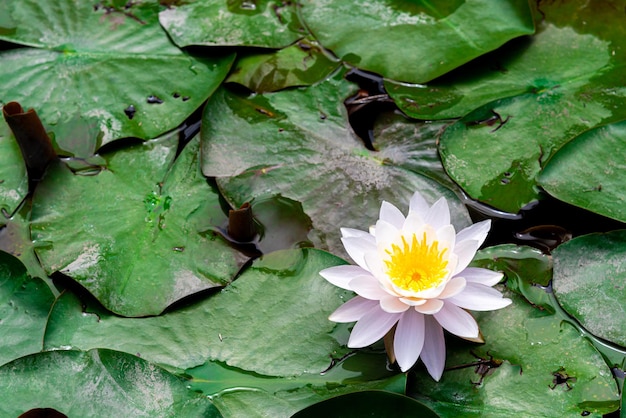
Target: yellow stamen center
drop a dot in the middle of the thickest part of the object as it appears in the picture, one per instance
(417, 266)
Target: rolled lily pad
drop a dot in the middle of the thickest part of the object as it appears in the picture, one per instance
(589, 283)
(24, 307)
(272, 320)
(588, 172)
(298, 143)
(146, 236)
(532, 364)
(13, 178)
(98, 383)
(301, 64)
(414, 41)
(115, 68)
(260, 23)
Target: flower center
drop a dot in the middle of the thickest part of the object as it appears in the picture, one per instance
(416, 266)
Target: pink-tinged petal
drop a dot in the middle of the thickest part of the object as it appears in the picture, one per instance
(372, 327)
(409, 339)
(368, 287)
(465, 250)
(453, 288)
(439, 214)
(353, 310)
(418, 205)
(480, 298)
(476, 232)
(392, 304)
(391, 214)
(355, 233)
(357, 247)
(434, 350)
(431, 307)
(481, 276)
(340, 276)
(456, 321)
(386, 234)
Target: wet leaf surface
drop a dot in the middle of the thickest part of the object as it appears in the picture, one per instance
(147, 228)
(24, 306)
(589, 277)
(417, 41)
(102, 63)
(97, 383)
(13, 178)
(298, 143)
(245, 325)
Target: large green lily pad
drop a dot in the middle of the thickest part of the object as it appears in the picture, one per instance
(98, 383)
(24, 306)
(589, 283)
(141, 234)
(414, 41)
(272, 320)
(115, 68)
(298, 143)
(532, 364)
(588, 171)
(259, 23)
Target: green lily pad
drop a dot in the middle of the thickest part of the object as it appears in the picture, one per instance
(527, 270)
(147, 234)
(587, 171)
(532, 364)
(272, 320)
(589, 277)
(301, 64)
(298, 143)
(239, 393)
(374, 403)
(98, 383)
(414, 41)
(13, 178)
(259, 23)
(116, 69)
(24, 307)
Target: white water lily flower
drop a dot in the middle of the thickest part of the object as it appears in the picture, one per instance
(414, 272)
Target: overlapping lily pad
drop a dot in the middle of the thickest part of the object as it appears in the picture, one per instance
(260, 23)
(298, 143)
(589, 283)
(115, 68)
(98, 383)
(414, 41)
(139, 235)
(24, 306)
(589, 172)
(13, 178)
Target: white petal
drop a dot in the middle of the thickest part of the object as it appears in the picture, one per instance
(391, 214)
(418, 205)
(413, 224)
(368, 287)
(353, 310)
(477, 232)
(376, 266)
(386, 234)
(392, 304)
(465, 250)
(431, 307)
(439, 214)
(434, 351)
(446, 235)
(457, 321)
(409, 339)
(351, 233)
(356, 248)
(481, 276)
(454, 287)
(372, 327)
(479, 298)
(431, 293)
(340, 276)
